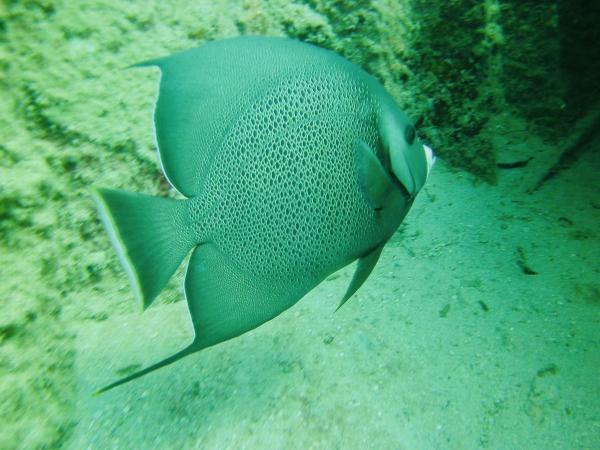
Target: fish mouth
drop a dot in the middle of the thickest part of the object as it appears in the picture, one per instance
(430, 158)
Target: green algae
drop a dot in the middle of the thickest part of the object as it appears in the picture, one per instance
(73, 117)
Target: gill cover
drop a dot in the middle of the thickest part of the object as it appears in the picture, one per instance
(410, 160)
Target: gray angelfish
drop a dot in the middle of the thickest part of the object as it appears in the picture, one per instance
(294, 163)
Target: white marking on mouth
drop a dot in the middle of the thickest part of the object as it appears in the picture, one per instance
(430, 157)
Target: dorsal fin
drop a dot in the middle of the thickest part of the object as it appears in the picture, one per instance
(204, 90)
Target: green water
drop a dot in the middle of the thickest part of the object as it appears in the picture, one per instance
(479, 327)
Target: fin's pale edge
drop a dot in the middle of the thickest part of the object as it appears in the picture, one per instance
(119, 246)
(160, 156)
(148, 63)
(157, 63)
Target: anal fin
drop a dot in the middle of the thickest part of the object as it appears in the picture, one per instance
(226, 301)
(192, 348)
(365, 266)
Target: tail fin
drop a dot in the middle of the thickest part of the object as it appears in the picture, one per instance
(149, 235)
(192, 348)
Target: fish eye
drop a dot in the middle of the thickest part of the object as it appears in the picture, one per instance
(410, 134)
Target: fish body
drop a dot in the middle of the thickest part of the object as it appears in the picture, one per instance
(294, 161)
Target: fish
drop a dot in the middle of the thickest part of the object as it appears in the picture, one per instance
(292, 162)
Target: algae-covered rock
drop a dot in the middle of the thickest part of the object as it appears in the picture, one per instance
(455, 66)
(72, 117)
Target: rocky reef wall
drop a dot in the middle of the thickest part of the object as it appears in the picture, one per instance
(72, 117)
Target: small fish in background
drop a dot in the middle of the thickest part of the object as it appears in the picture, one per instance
(294, 163)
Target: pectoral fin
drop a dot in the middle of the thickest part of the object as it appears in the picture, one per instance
(374, 181)
(363, 269)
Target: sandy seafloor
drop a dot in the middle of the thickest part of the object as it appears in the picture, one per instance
(449, 344)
